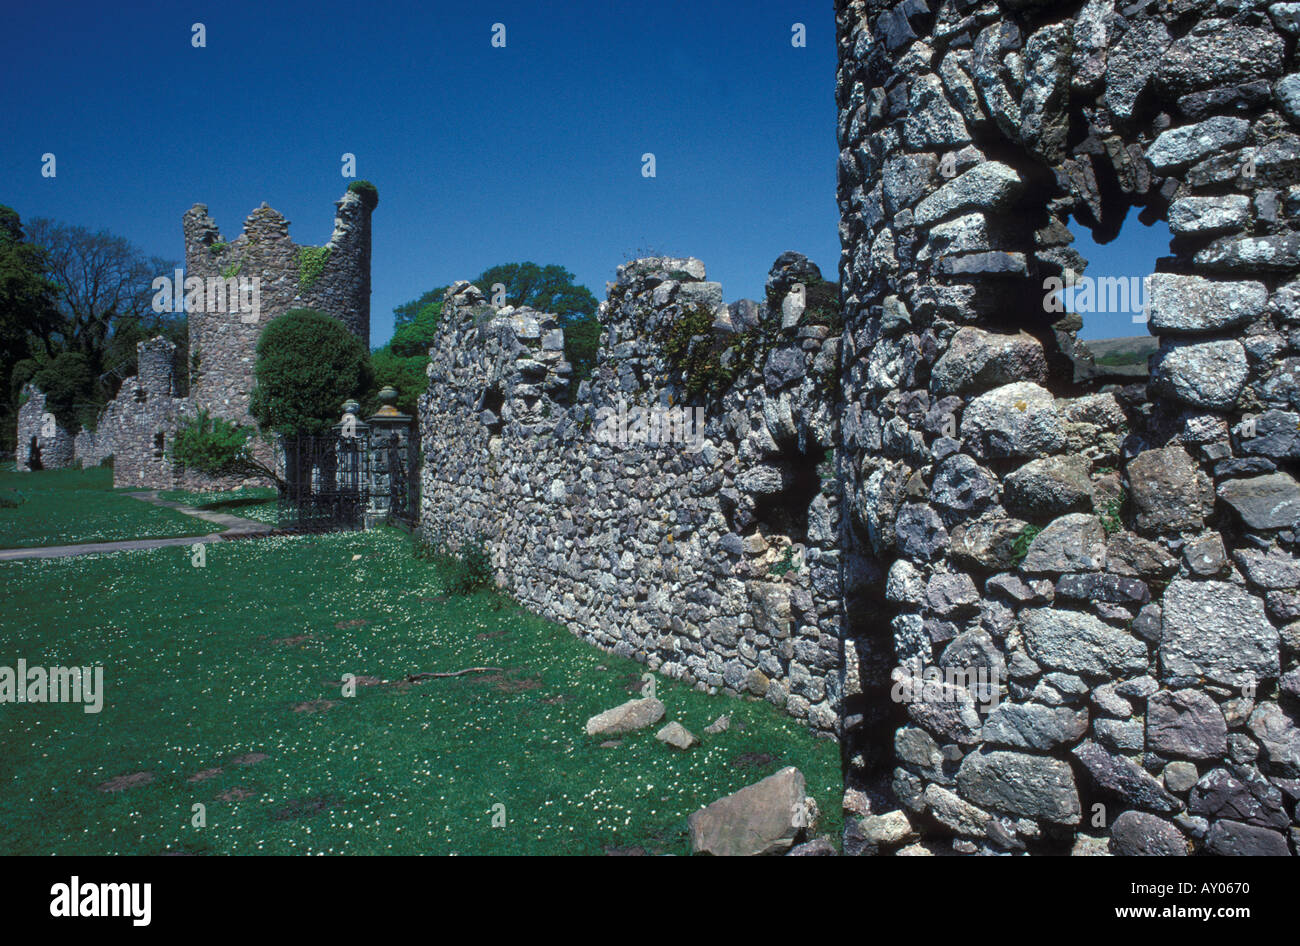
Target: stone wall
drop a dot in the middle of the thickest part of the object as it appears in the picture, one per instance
(713, 561)
(1122, 560)
(137, 426)
(43, 443)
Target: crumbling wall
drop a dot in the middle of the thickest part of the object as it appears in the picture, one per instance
(335, 279)
(137, 426)
(712, 560)
(43, 443)
(1120, 562)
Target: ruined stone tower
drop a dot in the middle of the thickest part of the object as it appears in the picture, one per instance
(136, 428)
(334, 279)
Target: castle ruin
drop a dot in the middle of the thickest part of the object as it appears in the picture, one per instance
(137, 426)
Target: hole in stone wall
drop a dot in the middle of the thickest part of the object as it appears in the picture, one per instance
(34, 455)
(1109, 298)
(786, 512)
(494, 400)
(158, 442)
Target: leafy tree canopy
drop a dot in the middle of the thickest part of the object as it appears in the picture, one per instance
(545, 288)
(308, 364)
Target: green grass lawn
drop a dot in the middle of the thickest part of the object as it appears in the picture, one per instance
(253, 502)
(205, 666)
(64, 507)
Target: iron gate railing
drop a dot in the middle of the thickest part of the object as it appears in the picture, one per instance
(403, 500)
(326, 483)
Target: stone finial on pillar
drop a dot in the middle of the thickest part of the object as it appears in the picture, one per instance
(391, 462)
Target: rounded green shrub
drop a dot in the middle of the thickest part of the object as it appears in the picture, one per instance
(368, 193)
(308, 363)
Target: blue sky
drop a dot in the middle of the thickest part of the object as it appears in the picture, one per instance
(1133, 253)
(481, 155)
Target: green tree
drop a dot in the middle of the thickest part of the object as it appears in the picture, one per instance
(410, 311)
(545, 288)
(307, 364)
(99, 278)
(581, 341)
(551, 289)
(69, 386)
(402, 362)
(218, 447)
(26, 311)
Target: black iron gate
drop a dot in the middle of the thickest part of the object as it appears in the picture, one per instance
(326, 483)
(403, 501)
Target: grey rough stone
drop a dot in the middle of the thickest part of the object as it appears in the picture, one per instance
(1107, 699)
(1165, 491)
(919, 532)
(916, 747)
(1272, 251)
(1023, 785)
(947, 711)
(1079, 643)
(1180, 776)
(1202, 374)
(1185, 723)
(1202, 215)
(630, 716)
(1071, 543)
(1049, 486)
(905, 583)
(987, 543)
(1286, 17)
(1205, 555)
(951, 595)
(1188, 144)
(989, 185)
(1274, 434)
(1191, 304)
(1044, 124)
(817, 847)
(1088, 846)
(677, 736)
(977, 360)
(1234, 839)
(1216, 630)
(1020, 590)
(1138, 688)
(886, 830)
(933, 123)
(1138, 834)
(1129, 554)
(1229, 54)
(1119, 735)
(763, 818)
(1271, 501)
(1103, 587)
(1035, 726)
(784, 367)
(961, 485)
(1015, 420)
(1287, 92)
(1241, 796)
(954, 813)
(1125, 779)
(1132, 63)
(1280, 737)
